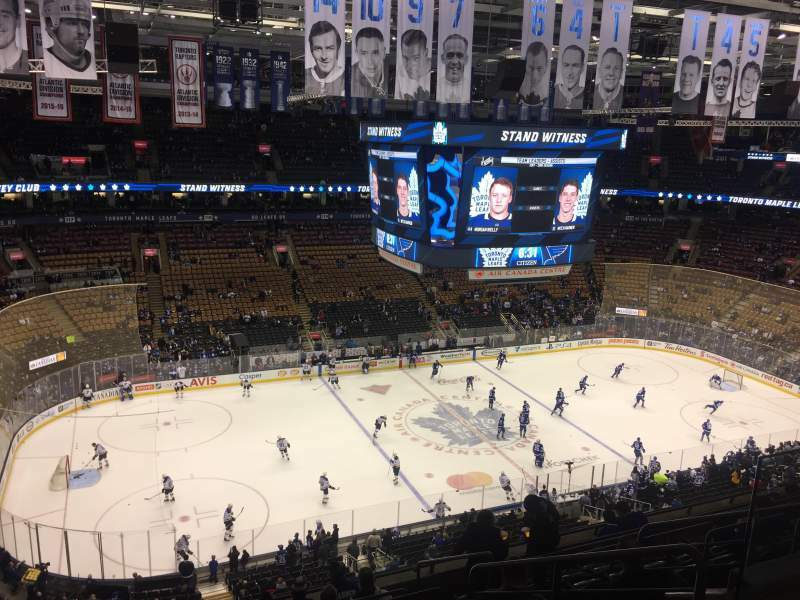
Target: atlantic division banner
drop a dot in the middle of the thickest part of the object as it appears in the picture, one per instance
(371, 40)
(414, 50)
(727, 34)
(68, 39)
(187, 82)
(51, 98)
(454, 68)
(325, 53)
(249, 82)
(751, 63)
(689, 76)
(574, 38)
(538, 25)
(280, 81)
(121, 98)
(612, 56)
(223, 77)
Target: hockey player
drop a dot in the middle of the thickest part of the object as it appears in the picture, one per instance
(715, 381)
(333, 379)
(638, 451)
(435, 367)
(750, 445)
(706, 431)
(439, 509)
(640, 397)
(247, 385)
(525, 406)
(324, 486)
(492, 398)
(365, 364)
(501, 359)
(306, 376)
(654, 466)
(714, 405)
(179, 387)
(617, 370)
(182, 547)
(524, 419)
(283, 446)
(168, 488)
(87, 395)
(538, 453)
(560, 403)
(228, 519)
(394, 462)
(501, 427)
(505, 483)
(470, 383)
(583, 384)
(101, 454)
(379, 422)
(125, 389)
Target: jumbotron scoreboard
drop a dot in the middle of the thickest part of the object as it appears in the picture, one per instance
(502, 201)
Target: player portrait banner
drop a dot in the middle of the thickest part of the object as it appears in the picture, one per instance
(223, 77)
(369, 55)
(68, 38)
(281, 80)
(573, 49)
(414, 50)
(796, 73)
(538, 24)
(751, 63)
(324, 43)
(692, 52)
(612, 55)
(454, 56)
(249, 79)
(187, 82)
(51, 97)
(13, 38)
(727, 34)
(121, 98)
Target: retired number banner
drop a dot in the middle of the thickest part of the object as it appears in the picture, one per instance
(51, 97)
(371, 40)
(538, 24)
(751, 63)
(727, 34)
(325, 54)
(280, 80)
(454, 71)
(414, 50)
(121, 98)
(187, 82)
(575, 35)
(689, 76)
(612, 56)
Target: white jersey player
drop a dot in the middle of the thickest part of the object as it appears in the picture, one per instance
(439, 509)
(247, 385)
(182, 547)
(179, 387)
(324, 486)
(306, 376)
(101, 454)
(379, 423)
(125, 389)
(395, 464)
(333, 379)
(168, 488)
(228, 520)
(505, 483)
(283, 446)
(87, 395)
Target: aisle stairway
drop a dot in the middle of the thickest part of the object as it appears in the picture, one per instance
(155, 297)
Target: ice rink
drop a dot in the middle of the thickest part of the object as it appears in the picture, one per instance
(219, 448)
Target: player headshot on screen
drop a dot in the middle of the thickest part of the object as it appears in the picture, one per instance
(368, 76)
(414, 78)
(501, 195)
(326, 77)
(569, 91)
(686, 99)
(11, 56)
(717, 102)
(455, 87)
(567, 201)
(535, 85)
(744, 106)
(608, 93)
(404, 214)
(69, 25)
(373, 191)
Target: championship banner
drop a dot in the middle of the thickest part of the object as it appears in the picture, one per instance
(51, 97)
(68, 38)
(187, 82)
(414, 50)
(454, 68)
(369, 76)
(538, 25)
(575, 35)
(121, 98)
(754, 46)
(612, 56)
(650, 89)
(727, 34)
(281, 80)
(223, 76)
(250, 84)
(325, 54)
(13, 38)
(689, 76)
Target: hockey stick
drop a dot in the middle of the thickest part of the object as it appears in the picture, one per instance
(240, 512)
(268, 442)
(153, 496)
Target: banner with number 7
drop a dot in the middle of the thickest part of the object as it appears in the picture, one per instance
(454, 59)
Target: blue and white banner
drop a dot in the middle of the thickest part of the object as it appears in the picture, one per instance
(454, 68)
(369, 77)
(414, 50)
(396, 244)
(280, 80)
(727, 34)
(325, 52)
(531, 256)
(538, 25)
(249, 79)
(612, 56)
(573, 50)
(751, 63)
(223, 76)
(689, 76)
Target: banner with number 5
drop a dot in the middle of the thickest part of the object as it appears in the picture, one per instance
(751, 62)
(727, 34)
(612, 55)
(324, 56)
(538, 23)
(454, 68)
(694, 39)
(369, 77)
(414, 50)
(573, 51)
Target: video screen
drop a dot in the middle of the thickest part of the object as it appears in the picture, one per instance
(393, 175)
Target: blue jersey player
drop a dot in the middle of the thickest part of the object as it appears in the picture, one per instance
(470, 383)
(638, 451)
(524, 419)
(640, 397)
(706, 431)
(583, 384)
(560, 403)
(501, 358)
(501, 427)
(435, 367)
(714, 405)
(617, 370)
(538, 453)
(715, 381)
(492, 398)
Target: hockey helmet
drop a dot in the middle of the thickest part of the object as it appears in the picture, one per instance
(164, 476)
(55, 10)
(86, 386)
(188, 536)
(230, 505)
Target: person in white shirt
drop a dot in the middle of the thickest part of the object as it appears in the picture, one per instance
(608, 90)
(569, 91)
(454, 85)
(536, 83)
(326, 77)
(414, 77)
(718, 103)
(11, 56)
(744, 106)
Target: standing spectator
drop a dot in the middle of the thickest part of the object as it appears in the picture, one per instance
(366, 583)
(213, 566)
(245, 559)
(233, 560)
(483, 535)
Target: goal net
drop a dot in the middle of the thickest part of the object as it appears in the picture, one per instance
(59, 480)
(732, 379)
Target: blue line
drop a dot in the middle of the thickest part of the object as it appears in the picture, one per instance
(578, 427)
(375, 443)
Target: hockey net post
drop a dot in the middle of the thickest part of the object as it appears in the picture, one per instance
(59, 480)
(732, 378)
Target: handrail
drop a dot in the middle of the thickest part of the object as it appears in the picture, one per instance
(432, 562)
(634, 501)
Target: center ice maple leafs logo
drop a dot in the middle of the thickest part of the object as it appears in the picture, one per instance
(459, 431)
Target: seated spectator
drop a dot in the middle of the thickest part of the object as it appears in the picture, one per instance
(541, 518)
(366, 584)
(483, 535)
